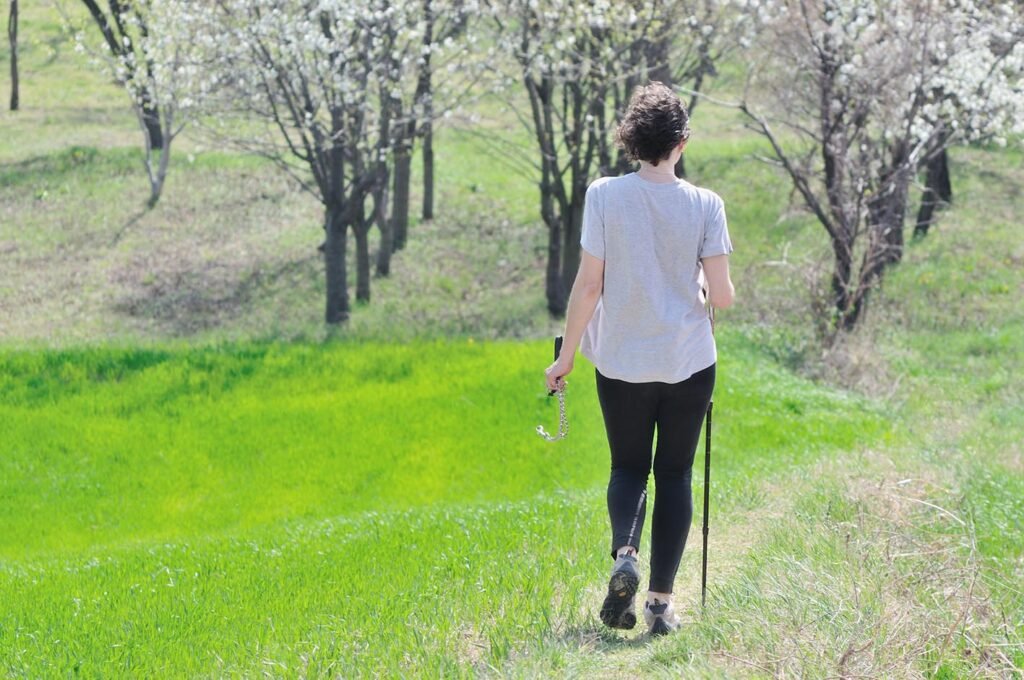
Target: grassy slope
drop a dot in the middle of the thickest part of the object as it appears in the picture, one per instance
(226, 456)
(228, 254)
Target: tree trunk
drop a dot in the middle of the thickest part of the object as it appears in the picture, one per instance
(886, 211)
(12, 35)
(400, 196)
(571, 243)
(841, 273)
(424, 97)
(554, 286)
(658, 59)
(386, 225)
(871, 271)
(158, 175)
(938, 192)
(362, 233)
(428, 166)
(151, 123)
(334, 257)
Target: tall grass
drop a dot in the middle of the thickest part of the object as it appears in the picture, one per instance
(377, 507)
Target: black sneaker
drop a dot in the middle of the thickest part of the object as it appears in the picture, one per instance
(660, 617)
(618, 609)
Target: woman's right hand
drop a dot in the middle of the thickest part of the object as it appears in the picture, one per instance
(555, 374)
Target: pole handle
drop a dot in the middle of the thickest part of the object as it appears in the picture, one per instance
(558, 350)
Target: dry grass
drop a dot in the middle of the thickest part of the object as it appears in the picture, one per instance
(888, 582)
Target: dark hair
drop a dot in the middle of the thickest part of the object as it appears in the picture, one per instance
(654, 124)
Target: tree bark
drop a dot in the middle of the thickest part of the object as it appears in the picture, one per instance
(886, 211)
(938, 192)
(400, 196)
(554, 286)
(658, 62)
(158, 175)
(571, 242)
(361, 228)
(424, 96)
(428, 166)
(151, 122)
(386, 226)
(334, 257)
(12, 36)
(842, 272)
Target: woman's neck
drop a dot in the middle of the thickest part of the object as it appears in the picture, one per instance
(663, 172)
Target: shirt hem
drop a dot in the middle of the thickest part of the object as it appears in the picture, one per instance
(650, 377)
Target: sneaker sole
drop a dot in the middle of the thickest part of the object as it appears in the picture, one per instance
(659, 627)
(617, 610)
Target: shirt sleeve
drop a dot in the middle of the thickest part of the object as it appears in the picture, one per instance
(592, 236)
(716, 231)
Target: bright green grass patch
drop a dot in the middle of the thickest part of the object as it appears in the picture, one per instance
(411, 592)
(209, 510)
(195, 440)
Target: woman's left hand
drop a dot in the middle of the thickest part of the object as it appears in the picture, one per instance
(556, 372)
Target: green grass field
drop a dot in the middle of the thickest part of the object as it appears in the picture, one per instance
(277, 493)
(198, 480)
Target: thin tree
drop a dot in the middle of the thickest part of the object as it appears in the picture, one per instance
(121, 27)
(12, 37)
(147, 51)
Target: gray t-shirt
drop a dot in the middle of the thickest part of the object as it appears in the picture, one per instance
(650, 324)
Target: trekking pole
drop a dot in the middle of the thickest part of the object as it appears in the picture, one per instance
(707, 476)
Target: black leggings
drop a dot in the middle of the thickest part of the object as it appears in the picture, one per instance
(631, 412)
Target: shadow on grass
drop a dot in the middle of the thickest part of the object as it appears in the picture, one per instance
(132, 221)
(64, 164)
(598, 638)
(195, 300)
(97, 164)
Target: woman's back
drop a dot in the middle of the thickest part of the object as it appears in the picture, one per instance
(650, 324)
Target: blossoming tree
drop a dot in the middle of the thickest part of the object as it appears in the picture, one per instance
(855, 96)
(334, 84)
(144, 49)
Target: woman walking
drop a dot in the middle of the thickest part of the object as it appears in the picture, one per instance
(636, 311)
